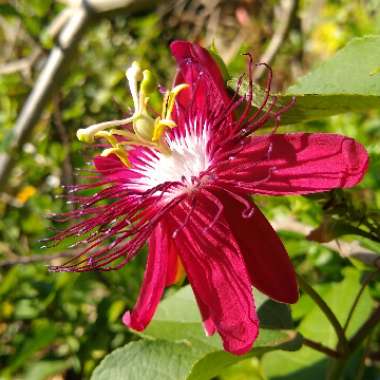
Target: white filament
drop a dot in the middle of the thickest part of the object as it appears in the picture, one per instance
(187, 160)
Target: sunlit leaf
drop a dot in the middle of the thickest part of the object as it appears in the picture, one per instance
(178, 331)
(343, 83)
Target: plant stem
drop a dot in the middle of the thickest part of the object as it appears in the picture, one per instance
(335, 371)
(336, 368)
(321, 348)
(343, 344)
(366, 281)
(365, 330)
(361, 369)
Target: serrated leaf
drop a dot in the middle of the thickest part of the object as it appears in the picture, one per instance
(346, 82)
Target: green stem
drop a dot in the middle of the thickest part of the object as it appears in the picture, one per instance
(343, 344)
(361, 369)
(321, 348)
(366, 281)
(365, 330)
(365, 234)
(336, 368)
(335, 371)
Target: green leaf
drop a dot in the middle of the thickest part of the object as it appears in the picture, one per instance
(149, 360)
(178, 318)
(307, 364)
(347, 82)
(177, 331)
(159, 359)
(351, 71)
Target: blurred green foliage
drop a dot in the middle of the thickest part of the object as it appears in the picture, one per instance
(59, 326)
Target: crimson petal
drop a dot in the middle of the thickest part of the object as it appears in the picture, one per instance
(113, 169)
(217, 274)
(193, 60)
(154, 281)
(207, 92)
(267, 261)
(297, 163)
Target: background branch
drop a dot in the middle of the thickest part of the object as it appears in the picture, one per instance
(346, 249)
(286, 16)
(51, 75)
(33, 259)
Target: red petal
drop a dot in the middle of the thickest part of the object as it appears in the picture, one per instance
(267, 261)
(106, 165)
(217, 274)
(297, 163)
(197, 68)
(154, 281)
(193, 61)
(113, 169)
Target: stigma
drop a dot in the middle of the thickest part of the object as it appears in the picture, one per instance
(146, 130)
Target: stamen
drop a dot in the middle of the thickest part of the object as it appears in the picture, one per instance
(88, 134)
(148, 131)
(168, 107)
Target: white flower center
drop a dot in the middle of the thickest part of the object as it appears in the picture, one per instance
(187, 160)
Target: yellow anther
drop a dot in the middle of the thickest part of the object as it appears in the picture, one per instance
(170, 100)
(158, 131)
(108, 136)
(168, 123)
(120, 153)
(167, 109)
(117, 147)
(159, 128)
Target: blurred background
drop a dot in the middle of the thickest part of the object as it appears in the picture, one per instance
(60, 325)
